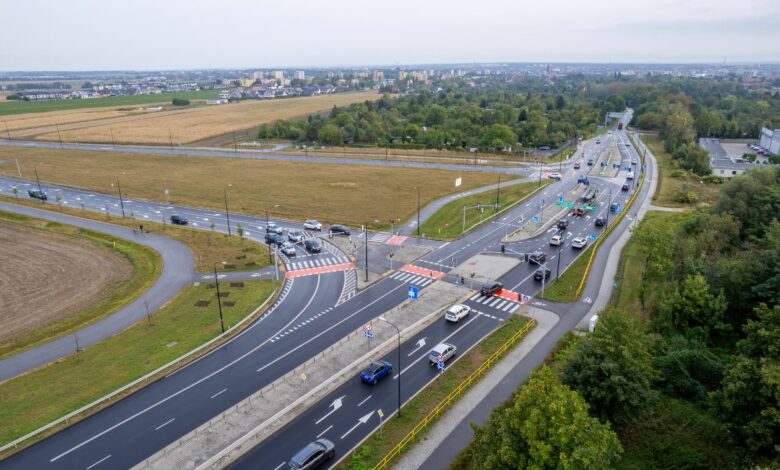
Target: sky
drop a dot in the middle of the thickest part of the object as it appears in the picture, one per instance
(77, 35)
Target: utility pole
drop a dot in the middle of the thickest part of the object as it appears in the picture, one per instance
(540, 173)
(39, 182)
(560, 245)
(366, 233)
(418, 211)
(59, 134)
(121, 201)
(227, 213)
(170, 137)
(498, 190)
(7, 132)
(219, 299)
(464, 219)
(609, 203)
(235, 143)
(113, 143)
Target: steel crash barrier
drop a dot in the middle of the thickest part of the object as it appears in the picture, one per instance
(454, 395)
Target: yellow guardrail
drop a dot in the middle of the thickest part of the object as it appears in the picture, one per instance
(609, 229)
(457, 392)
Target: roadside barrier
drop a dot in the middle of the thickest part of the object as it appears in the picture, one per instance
(454, 395)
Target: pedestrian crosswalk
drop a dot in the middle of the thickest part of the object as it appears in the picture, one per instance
(412, 278)
(379, 237)
(316, 263)
(497, 303)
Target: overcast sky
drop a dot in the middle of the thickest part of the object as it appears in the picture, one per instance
(189, 34)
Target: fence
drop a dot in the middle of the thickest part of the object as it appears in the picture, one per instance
(454, 395)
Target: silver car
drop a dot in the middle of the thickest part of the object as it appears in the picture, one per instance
(443, 350)
(288, 249)
(312, 225)
(295, 236)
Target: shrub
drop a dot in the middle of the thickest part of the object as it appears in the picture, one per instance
(714, 179)
(685, 197)
(678, 174)
(180, 102)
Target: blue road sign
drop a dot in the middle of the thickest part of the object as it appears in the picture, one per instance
(560, 198)
(628, 168)
(535, 218)
(616, 165)
(591, 237)
(369, 334)
(412, 292)
(644, 166)
(440, 366)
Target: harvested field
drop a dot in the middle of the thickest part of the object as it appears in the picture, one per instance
(351, 194)
(180, 126)
(46, 277)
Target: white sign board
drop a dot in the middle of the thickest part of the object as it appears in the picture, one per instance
(458, 181)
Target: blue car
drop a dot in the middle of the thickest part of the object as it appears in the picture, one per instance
(376, 371)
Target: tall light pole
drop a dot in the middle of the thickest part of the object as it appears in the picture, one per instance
(498, 190)
(418, 211)
(121, 201)
(560, 246)
(39, 184)
(219, 299)
(267, 222)
(366, 235)
(399, 360)
(227, 212)
(609, 203)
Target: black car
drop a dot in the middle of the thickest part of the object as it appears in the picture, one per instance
(537, 258)
(614, 207)
(38, 195)
(601, 221)
(590, 162)
(313, 455)
(563, 224)
(179, 220)
(624, 188)
(339, 230)
(491, 288)
(312, 245)
(272, 238)
(542, 273)
(577, 165)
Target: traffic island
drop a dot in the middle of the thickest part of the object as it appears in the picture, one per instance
(546, 217)
(605, 164)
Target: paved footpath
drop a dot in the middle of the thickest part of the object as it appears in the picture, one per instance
(177, 272)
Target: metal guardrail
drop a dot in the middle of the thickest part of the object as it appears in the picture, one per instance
(455, 394)
(65, 419)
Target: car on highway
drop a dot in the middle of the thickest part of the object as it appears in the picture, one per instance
(288, 249)
(579, 242)
(491, 288)
(442, 350)
(583, 180)
(628, 144)
(577, 165)
(614, 207)
(542, 273)
(555, 176)
(544, 147)
(590, 162)
(313, 455)
(562, 224)
(295, 236)
(634, 162)
(273, 228)
(556, 240)
(272, 238)
(598, 141)
(312, 245)
(601, 221)
(625, 187)
(630, 175)
(179, 220)
(339, 230)
(375, 372)
(457, 312)
(38, 195)
(312, 224)
(537, 258)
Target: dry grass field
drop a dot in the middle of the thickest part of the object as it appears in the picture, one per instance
(182, 126)
(352, 194)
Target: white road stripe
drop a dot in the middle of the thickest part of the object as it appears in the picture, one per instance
(497, 300)
(165, 424)
(501, 305)
(474, 297)
(512, 310)
(100, 461)
(323, 432)
(508, 306)
(219, 393)
(365, 400)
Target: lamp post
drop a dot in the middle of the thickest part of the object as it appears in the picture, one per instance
(227, 213)
(560, 245)
(418, 211)
(609, 203)
(498, 190)
(399, 361)
(267, 222)
(121, 201)
(219, 299)
(39, 184)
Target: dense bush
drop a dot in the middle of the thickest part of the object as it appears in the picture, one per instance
(180, 102)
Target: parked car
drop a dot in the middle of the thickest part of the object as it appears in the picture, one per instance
(179, 220)
(312, 224)
(555, 176)
(625, 187)
(537, 258)
(38, 195)
(491, 288)
(273, 228)
(579, 242)
(375, 372)
(563, 224)
(542, 273)
(556, 240)
(295, 236)
(590, 162)
(339, 230)
(288, 249)
(601, 221)
(272, 238)
(312, 245)
(445, 350)
(457, 312)
(313, 455)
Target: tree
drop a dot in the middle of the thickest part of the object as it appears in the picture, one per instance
(612, 368)
(692, 305)
(330, 134)
(692, 157)
(546, 426)
(240, 231)
(678, 130)
(180, 102)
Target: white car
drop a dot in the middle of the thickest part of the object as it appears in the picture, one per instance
(555, 176)
(457, 312)
(579, 242)
(556, 240)
(443, 350)
(312, 225)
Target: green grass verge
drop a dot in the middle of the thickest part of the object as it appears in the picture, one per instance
(447, 222)
(368, 454)
(32, 400)
(564, 289)
(146, 263)
(22, 107)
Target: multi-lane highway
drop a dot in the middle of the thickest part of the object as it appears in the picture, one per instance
(313, 312)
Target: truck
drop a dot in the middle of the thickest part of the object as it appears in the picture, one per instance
(620, 125)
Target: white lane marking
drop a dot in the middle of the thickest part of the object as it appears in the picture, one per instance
(100, 461)
(280, 466)
(365, 400)
(219, 393)
(165, 424)
(323, 432)
(362, 420)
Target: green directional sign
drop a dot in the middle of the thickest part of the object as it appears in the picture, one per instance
(587, 208)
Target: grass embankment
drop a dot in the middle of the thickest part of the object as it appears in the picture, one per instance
(230, 253)
(9, 107)
(564, 289)
(669, 186)
(447, 222)
(395, 429)
(146, 265)
(349, 194)
(32, 400)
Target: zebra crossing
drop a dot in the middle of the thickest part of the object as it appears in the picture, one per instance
(379, 237)
(497, 303)
(317, 263)
(350, 286)
(412, 278)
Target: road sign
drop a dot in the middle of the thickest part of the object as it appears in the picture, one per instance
(458, 181)
(381, 415)
(535, 218)
(367, 327)
(644, 166)
(440, 359)
(411, 292)
(591, 237)
(369, 334)
(587, 207)
(560, 199)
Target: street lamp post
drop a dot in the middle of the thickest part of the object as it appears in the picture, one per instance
(399, 361)
(498, 190)
(39, 184)
(219, 299)
(366, 235)
(560, 245)
(418, 211)
(121, 201)
(609, 204)
(227, 213)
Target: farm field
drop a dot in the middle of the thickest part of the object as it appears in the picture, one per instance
(350, 194)
(171, 125)
(11, 107)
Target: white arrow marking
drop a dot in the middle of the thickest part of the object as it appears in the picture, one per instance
(362, 420)
(336, 405)
(420, 344)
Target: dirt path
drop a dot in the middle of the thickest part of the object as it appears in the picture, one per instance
(47, 277)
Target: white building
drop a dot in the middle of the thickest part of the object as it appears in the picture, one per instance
(770, 140)
(299, 75)
(278, 75)
(258, 75)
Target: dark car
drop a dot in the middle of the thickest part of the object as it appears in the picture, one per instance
(614, 207)
(583, 180)
(339, 230)
(179, 220)
(624, 188)
(601, 221)
(312, 245)
(590, 162)
(537, 258)
(491, 288)
(38, 195)
(542, 273)
(563, 224)
(375, 372)
(577, 165)
(313, 455)
(272, 238)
